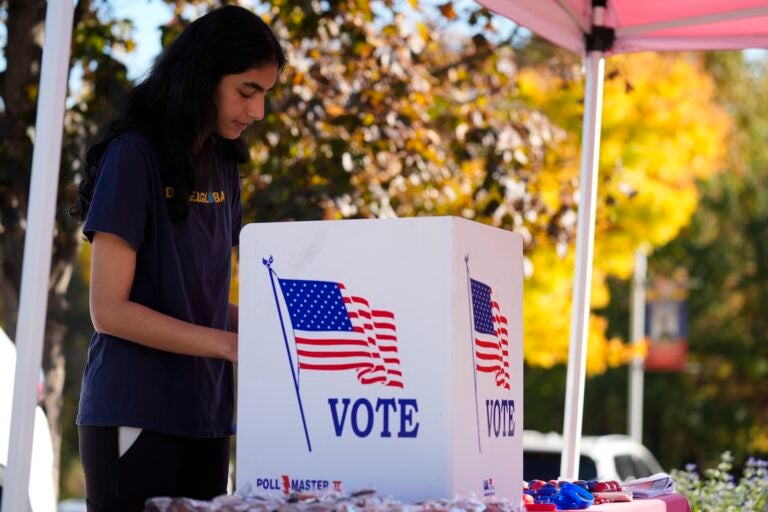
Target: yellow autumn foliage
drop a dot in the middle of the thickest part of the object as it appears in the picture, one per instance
(661, 131)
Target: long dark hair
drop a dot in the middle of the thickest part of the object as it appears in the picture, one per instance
(174, 105)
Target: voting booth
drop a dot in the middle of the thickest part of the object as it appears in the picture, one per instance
(381, 354)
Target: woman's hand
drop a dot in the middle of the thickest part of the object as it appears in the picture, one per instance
(113, 263)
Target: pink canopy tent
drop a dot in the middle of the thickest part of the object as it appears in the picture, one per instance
(595, 28)
(644, 25)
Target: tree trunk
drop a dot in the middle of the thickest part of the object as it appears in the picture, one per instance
(53, 366)
(65, 252)
(9, 279)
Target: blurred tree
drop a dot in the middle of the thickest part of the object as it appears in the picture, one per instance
(722, 400)
(661, 131)
(382, 117)
(96, 36)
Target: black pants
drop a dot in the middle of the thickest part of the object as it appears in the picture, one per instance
(156, 464)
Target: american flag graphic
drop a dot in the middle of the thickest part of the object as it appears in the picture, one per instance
(337, 331)
(491, 334)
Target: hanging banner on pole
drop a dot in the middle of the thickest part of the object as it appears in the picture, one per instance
(666, 325)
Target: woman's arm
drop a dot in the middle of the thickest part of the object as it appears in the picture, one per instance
(113, 263)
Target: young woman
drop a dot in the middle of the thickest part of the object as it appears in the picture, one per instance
(161, 204)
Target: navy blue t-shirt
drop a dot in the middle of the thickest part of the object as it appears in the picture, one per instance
(182, 270)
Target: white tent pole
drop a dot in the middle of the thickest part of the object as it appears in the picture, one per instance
(636, 370)
(37, 248)
(585, 243)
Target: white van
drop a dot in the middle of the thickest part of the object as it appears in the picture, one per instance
(611, 457)
(42, 495)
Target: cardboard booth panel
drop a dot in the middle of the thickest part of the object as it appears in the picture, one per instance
(381, 353)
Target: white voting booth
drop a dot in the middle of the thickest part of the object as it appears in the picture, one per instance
(381, 354)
